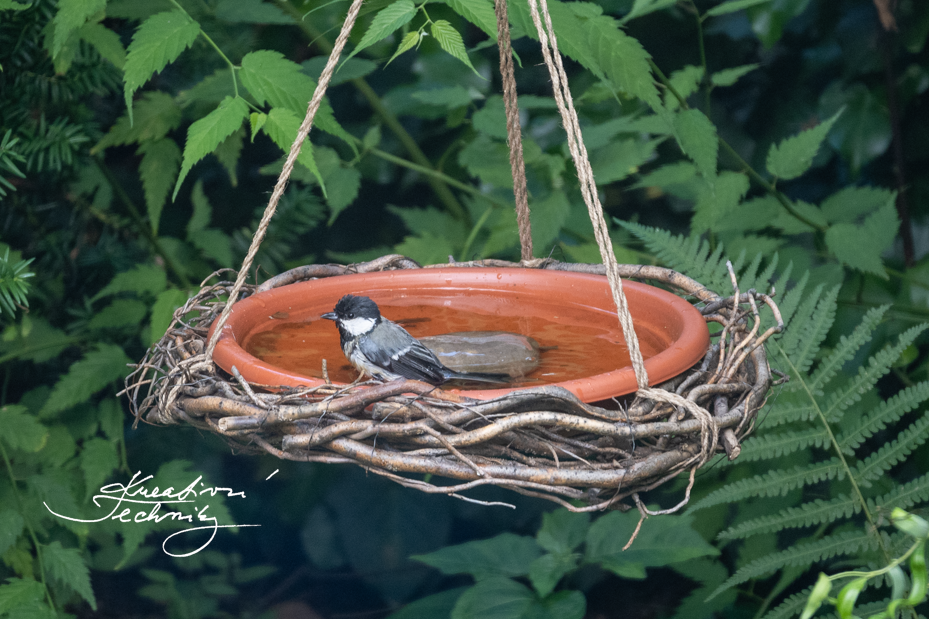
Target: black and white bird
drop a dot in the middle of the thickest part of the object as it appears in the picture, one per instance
(382, 349)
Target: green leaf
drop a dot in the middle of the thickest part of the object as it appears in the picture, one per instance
(860, 247)
(644, 7)
(163, 311)
(203, 212)
(661, 541)
(478, 12)
(388, 20)
(435, 605)
(504, 555)
(686, 82)
(728, 77)
(156, 113)
(106, 42)
(11, 526)
(119, 314)
(494, 598)
(18, 594)
(794, 155)
(281, 83)
(158, 169)
(98, 461)
(256, 121)
(228, 153)
(548, 217)
(618, 159)
(158, 41)
(450, 40)
(620, 57)
(282, 126)
(206, 134)
(71, 15)
(21, 430)
(546, 571)
(410, 39)
(251, 12)
(562, 531)
(696, 136)
(716, 201)
(14, 6)
(850, 203)
(142, 279)
(426, 248)
(451, 97)
(101, 366)
(732, 7)
(67, 567)
(864, 131)
(342, 185)
(214, 244)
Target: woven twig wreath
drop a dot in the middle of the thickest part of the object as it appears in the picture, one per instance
(541, 442)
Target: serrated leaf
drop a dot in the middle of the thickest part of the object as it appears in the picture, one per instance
(426, 248)
(98, 461)
(163, 311)
(728, 77)
(257, 120)
(850, 203)
(716, 201)
(251, 12)
(861, 246)
(158, 41)
(158, 169)
(98, 368)
(548, 216)
(732, 7)
(342, 186)
(156, 113)
(505, 555)
(21, 430)
(67, 567)
(71, 15)
(214, 244)
(388, 20)
(620, 159)
(106, 42)
(20, 593)
(685, 82)
(621, 58)
(228, 153)
(410, 39)
(562, 531)
(206, 134)
(282, 126)
(547, 570)
(203, 212)
(11, 525)
(478, 12)
(451, 97)
(794, 155)
(119, 314)
(494, 598)
(142, 279)
(450, 40)
(696, 136)
(644, 7)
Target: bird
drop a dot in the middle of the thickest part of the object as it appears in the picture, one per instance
(384, 350)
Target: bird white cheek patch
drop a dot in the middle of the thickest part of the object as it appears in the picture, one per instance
(358, 326)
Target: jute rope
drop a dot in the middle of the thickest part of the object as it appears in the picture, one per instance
(513, 134)
(569, 118)
(281, 185)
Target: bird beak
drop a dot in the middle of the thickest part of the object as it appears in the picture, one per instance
(329, 316)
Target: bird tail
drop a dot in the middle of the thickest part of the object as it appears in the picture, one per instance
(480, 377)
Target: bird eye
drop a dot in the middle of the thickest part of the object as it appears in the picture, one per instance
(351, 315)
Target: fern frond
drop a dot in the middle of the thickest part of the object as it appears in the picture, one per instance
(893, 452)
(847, 347)
(688, 255)
(791, 607)
(805, 515)
(808, 329)
(846, 543)
(888, 412)
(773, 483)
(788, 407)
(788, 305)
(868, 375)
(905, 496)
(775, 445)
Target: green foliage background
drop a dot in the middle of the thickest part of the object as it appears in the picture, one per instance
(141, 141)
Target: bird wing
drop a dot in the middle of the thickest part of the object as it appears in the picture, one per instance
(414, 361)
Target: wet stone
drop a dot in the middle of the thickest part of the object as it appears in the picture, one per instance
(486, 351)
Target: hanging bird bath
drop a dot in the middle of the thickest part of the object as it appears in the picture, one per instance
(276, 337)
